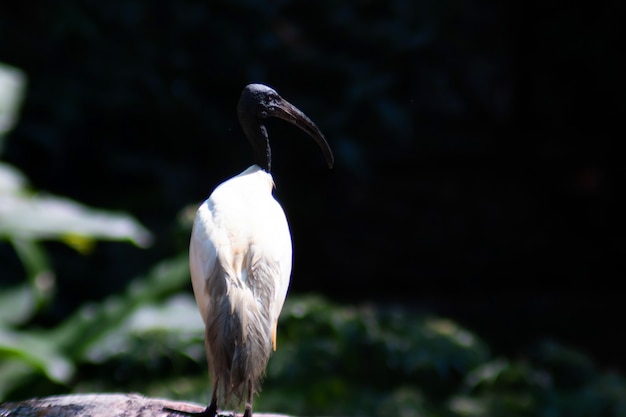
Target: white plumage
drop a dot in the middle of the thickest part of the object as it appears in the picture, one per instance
(240, 257)
(241, 233)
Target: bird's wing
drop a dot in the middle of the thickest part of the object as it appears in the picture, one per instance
(224, 230)
(281, 293)
(270, 262)
(203, 256)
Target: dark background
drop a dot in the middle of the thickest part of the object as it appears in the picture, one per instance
(477, 171)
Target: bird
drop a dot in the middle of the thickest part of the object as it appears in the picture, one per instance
(240, 257)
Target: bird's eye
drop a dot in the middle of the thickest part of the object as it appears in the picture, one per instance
(263, 114)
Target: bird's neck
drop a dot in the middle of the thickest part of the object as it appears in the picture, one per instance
(258, 138)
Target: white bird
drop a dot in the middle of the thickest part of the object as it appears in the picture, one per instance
(240, 257)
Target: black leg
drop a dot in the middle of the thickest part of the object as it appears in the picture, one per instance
(248, 412)
(210, 411)
(206, 413)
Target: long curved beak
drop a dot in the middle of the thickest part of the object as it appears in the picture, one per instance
(290, 113)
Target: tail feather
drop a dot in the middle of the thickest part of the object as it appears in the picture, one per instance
(238, 338)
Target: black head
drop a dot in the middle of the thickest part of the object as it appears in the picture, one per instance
(257, 103)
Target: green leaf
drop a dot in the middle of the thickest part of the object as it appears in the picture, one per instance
(17, 304)
(37, 351)
(12, 84)
(38, 216)
(13, 374)
(88, 326)
(177, 316)
(39, 273)
(11, 180)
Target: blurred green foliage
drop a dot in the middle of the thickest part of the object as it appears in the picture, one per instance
(472, 138)
(331, 360)
(27, 218)
(125, 94)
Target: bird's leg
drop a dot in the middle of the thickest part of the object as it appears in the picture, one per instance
(248, 412)
(210, 411)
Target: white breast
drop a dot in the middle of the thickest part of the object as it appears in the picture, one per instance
(238, 227)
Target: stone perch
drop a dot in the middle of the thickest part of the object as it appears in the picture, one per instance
(103, 405)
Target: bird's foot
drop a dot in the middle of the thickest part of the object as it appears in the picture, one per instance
(248, 412)
(210, 411)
